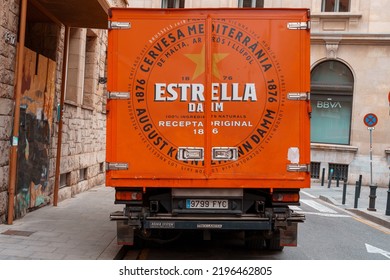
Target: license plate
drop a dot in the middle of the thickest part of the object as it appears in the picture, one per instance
(207, 204)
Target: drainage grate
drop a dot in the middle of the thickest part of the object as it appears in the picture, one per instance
(18, 232)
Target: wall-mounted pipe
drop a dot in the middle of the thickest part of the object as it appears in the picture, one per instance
(60, 122)
(17, 96)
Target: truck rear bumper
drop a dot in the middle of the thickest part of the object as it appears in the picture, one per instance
(249, 222)
(286, 226)
(214, 224)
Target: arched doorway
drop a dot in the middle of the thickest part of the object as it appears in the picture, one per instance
(331, 99)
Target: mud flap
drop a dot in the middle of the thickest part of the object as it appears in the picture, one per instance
(124, 233)
(289, 235)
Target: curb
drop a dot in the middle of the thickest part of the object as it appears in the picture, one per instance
(358, 212)
(329, 200)
(371, 218)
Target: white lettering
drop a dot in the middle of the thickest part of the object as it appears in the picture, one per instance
(200, 123)
(184, 88)
(158, 92)
(171, 90)
(196, 92)
(250, 92)
(328, 104)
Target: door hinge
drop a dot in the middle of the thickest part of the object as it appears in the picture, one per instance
(117, 166)
(304, 25)
(298, 96)
(119, 25)
(118, 95)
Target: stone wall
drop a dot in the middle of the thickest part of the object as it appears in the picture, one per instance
(84, 122)
(83, 151)
(8, 37)
(83, 145)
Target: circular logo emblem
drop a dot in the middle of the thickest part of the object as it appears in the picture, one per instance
(199, 90)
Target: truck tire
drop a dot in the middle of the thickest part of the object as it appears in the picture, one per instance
(273, 243)
(139, 242)
(254, 240)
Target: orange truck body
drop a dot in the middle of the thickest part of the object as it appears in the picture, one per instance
(213, 102)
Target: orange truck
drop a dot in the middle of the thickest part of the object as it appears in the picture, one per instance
(208, 122)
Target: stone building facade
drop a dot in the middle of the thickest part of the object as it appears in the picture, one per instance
(83, 113)
(8, 29)
(350, 54)
(358, 40)
(83, 140)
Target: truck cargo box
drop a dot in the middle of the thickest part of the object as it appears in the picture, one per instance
(208, 100)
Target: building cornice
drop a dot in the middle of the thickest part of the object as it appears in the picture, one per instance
(334, 147)
(336, 15)
(350, 38)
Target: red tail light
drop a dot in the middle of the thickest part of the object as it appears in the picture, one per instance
(128, 195)
(287, 197)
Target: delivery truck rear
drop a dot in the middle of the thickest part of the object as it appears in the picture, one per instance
(208, 122)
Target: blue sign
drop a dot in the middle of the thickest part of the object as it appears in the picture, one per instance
(370, 120)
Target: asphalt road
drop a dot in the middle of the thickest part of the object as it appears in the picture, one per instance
(329, 233)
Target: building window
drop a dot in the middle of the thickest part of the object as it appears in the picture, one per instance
(335, 5)
(76, 66)
(338, 171)
(315, 170)
(65, 180)
(91, 69)
(251, 3)
(83, 174)
(172, 4)
(83, 68)
(331, 100)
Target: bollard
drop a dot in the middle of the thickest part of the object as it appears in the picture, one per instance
(337, 178)
(323, 177)
(355, 205)
(372, 196)
(330, 177)
(344, 191)
(360, 184)
(388, 201)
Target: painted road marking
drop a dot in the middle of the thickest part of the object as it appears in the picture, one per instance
(371, 224)
(318, 206)
(325, 214)
(323, 210)
(308, 194)
(374, 250)
(295, 208)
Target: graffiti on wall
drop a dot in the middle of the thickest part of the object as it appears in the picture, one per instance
(36, 116)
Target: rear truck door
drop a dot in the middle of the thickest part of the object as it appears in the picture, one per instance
(208, 98)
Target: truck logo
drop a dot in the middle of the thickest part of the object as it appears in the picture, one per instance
(209, 226)
(196, 92)
(200, 61)
(184, 87)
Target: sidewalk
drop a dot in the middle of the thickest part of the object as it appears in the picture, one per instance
(334, 195)
(79, 228)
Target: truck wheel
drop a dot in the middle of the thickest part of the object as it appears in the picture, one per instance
(139, 241)
(254, 240)
(273, 243)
